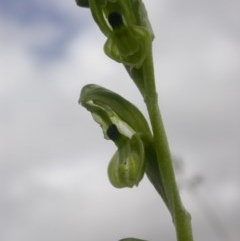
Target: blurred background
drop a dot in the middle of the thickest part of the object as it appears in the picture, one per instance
(53, 158)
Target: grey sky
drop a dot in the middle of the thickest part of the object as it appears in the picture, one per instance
(53, 157)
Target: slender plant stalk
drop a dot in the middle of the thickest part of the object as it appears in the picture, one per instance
(181, 218)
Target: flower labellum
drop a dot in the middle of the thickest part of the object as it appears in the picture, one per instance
(127, 166)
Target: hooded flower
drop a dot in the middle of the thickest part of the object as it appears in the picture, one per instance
(126, 26)
(125, 125)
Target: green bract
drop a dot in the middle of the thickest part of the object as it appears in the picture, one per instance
(125, 125)
(127, 28)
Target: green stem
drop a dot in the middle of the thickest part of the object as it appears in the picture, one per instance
(180, 216)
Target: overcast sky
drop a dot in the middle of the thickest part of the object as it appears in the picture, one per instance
(53, 158)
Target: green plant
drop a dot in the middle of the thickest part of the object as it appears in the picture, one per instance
(140, 149)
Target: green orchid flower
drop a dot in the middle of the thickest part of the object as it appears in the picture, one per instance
(126, 25)
(125, 125)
